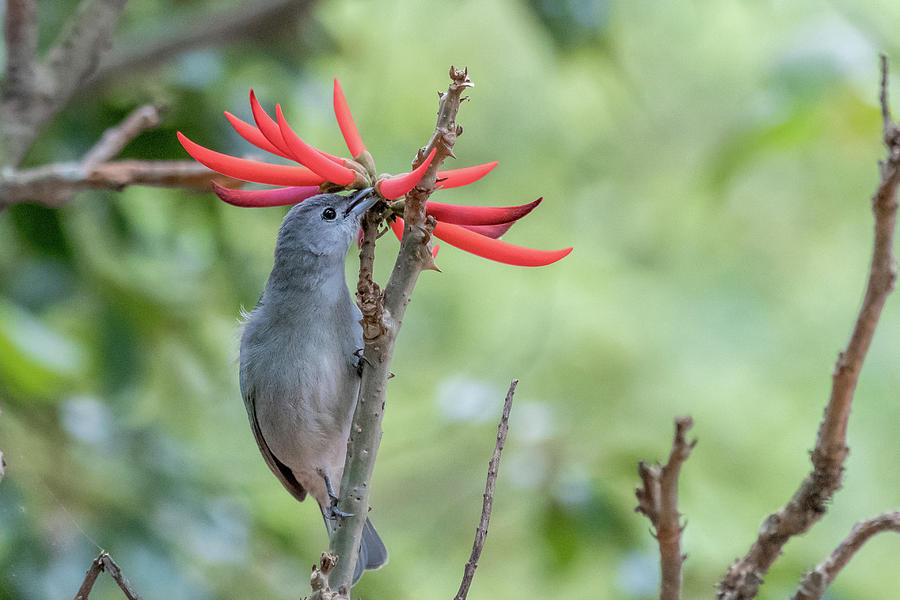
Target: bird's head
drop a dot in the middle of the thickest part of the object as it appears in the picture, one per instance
(322, 227)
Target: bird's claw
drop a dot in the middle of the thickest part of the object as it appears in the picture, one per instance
(333, 512)
(360, 359)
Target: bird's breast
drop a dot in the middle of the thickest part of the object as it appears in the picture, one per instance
(305, 385)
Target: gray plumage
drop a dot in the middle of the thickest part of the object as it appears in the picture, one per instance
(299, 376)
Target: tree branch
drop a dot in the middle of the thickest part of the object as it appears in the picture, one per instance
(116, 138)
(104, 562)
(247, 20)
(55, 184)
(21, 30)
(815, 583)
(658, 501)
(71, 60)
(76, 52)
(808, 503)
(488, 504)
(382, 318)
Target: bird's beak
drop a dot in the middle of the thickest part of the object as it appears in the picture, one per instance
(361, 202)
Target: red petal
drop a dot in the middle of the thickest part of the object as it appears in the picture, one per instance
(396, 186)
(345, 122)
(458, 177)
(268, 127)
(478, 215)
(258, 198)
(434, 251)
(254, 136)
(491, 231)
(272, 132)
(496, 250)
(311, 157)
(249, 170)
(397, 227)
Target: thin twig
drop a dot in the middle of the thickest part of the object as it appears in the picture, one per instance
(89, 578)
(55, 184)
(104, 562)
(809, 502)
(487, 505)
(658, 501)
(815, 583)
(382, 318)
(115, 572)
(116, 138)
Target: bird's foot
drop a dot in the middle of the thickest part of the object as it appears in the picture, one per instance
(360, 360)
(332, 513)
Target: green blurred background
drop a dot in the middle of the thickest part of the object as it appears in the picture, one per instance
(711, 163)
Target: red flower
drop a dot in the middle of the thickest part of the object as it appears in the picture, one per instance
(474, 229)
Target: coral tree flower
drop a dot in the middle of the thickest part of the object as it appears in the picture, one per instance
(475, 229)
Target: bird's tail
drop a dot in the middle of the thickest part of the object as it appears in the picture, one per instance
(372, 553)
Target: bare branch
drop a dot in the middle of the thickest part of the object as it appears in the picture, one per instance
(89, 578)
(21, 30)
(116, 138)
(382, 317)
(658, 501)
(55, 184)
(104, 562)
(77, 51)
(248, 20)
(808, 503)
(815, 583)
(70, 61)
(488, 504)
(112, 568)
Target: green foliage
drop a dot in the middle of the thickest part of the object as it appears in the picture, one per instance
(710, 162)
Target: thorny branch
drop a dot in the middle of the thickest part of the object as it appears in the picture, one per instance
(382, 318)
(658, 501)
(104, 562)
(488, 504)
(808, 503)
(815, 583)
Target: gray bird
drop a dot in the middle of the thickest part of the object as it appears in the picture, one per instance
(299, 357)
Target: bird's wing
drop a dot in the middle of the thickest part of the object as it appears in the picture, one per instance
(282, 472)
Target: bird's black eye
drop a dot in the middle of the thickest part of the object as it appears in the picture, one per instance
(329, 214)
